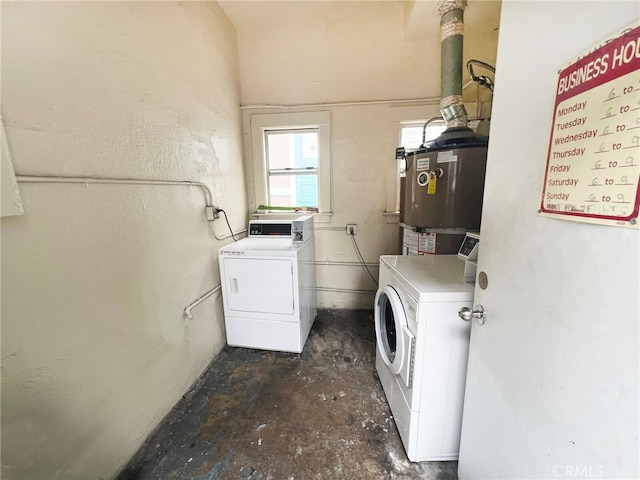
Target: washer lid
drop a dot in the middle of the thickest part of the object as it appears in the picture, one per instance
(430, 277)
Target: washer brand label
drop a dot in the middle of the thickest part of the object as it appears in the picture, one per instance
(231, 252)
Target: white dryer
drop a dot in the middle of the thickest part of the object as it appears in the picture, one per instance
(422, 350)
(268, 286)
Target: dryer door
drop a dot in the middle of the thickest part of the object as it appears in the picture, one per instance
(259, 286)
(392, 333)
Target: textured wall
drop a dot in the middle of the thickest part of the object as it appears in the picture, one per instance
(95, 349)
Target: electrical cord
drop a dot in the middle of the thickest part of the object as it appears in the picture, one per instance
(364, 264)
(481, 79)
(228, 224)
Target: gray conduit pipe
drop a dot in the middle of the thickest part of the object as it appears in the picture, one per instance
(329, 263)
(345, 290)
(188, 310)
(127, 181)
(191, 306)
(428, 100)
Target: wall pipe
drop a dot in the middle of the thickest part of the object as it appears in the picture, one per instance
(345, 290)
(198, 301)
(330, 263)
(188, 309)
(428, 100)
(128, 181)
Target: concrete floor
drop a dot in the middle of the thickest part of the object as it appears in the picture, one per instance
(270, 415)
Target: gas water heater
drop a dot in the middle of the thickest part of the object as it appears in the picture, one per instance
(444, 182)
(441, 192)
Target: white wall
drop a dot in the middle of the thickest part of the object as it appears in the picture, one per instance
(363, 54)
(95, 349)
(553, 379)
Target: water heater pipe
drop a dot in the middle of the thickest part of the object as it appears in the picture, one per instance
(425, 126)
(451, 41)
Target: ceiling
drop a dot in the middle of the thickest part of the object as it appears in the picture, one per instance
(421, 18)
(271, 35)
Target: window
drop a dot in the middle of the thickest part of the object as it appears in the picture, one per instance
(411, 133)
(291, 159)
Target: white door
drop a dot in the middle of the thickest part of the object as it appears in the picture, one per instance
(553, 377)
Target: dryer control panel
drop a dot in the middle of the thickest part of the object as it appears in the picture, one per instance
(264, 228)
(299, 230)
(302, 229)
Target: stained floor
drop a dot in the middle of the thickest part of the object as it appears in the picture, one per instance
(259, 415)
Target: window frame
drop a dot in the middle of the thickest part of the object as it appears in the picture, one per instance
(261, 123)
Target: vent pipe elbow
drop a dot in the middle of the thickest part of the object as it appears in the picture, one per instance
(451, 42)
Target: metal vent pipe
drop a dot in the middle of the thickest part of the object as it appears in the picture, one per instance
(451, 42)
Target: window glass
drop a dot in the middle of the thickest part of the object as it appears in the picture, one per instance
(292, 167)
(411, 134)
(411, 137)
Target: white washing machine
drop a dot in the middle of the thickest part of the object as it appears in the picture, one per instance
(268, 286)
(422, 350)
